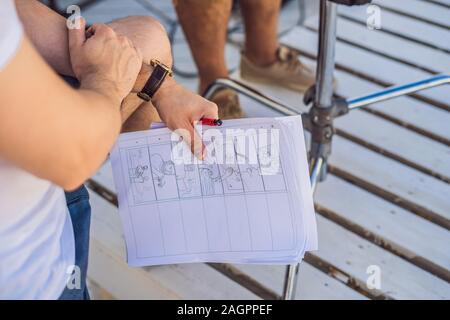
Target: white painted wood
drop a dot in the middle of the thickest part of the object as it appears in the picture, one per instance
(403, 25)
(405, 143)
(107, 10)
(109, 269)
(312, 283)
(388, 44)
(353, 255)
(367, 63)
(445, 2)
(96, 292)
(413, 235)
(420, 9)
(392, 176)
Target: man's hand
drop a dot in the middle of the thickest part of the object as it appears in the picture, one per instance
(181, 109)
(104, 61)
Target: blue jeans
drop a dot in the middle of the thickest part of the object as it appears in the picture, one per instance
(80, 212)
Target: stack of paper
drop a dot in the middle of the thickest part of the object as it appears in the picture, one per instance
(249, 201)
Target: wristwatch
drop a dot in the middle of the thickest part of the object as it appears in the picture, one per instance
(159, 74)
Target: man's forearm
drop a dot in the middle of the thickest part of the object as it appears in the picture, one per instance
(48, 35)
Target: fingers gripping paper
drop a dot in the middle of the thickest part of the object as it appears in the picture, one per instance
(249, 201)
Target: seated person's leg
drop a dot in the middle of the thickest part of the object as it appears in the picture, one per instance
(208, 47)
(261, 27)
(264, 60)
(207, 44)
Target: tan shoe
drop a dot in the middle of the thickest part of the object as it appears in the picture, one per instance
(288, 71)
(228, 103)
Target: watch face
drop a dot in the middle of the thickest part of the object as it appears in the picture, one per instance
(159, 72)
(155, 81)
(155, 63)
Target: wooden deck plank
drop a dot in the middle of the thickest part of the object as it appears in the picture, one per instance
(394, 227)
(444, 2)
(392, 176)
(108, 10)
(427, 154)
(420, 9)
(393, 46)
(404, 26)
(312, 284)
(110, 270)
(353, 255)
(366, 63)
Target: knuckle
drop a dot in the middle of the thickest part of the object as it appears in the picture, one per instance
(107, 30)
(213, 106)
(122, 39)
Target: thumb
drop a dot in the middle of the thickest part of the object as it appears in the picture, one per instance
(77, 36)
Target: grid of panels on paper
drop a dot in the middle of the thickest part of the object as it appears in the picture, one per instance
(205, 208)
(153, 176)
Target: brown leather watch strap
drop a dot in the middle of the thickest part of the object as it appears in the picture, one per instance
(155, 81)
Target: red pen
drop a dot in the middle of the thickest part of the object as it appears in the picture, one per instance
(211, 122)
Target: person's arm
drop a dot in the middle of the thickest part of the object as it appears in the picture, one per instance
(53, 131)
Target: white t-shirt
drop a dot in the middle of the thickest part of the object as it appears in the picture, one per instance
(36, 234)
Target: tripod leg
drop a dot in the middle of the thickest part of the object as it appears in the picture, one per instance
(323, 99)
(290, 280)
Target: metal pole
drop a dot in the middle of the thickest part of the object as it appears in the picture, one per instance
(251, 93)
(322, 100)
(326, 58)
(290, 280)
(397, 91)
(322, 123)
(315, 172)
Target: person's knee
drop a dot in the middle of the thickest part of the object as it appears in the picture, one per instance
(151, 26)
(147, 34)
